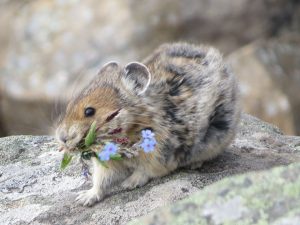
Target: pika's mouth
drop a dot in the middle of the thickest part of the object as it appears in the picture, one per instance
(72, 145)
(79, 143)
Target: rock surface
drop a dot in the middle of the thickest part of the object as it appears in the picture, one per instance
(47, 45)
(269, 78)
(270, 197)
(34, 191)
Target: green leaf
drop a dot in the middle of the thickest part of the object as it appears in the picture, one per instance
(91, 136)
(116, 157)
(103, 164)
(65, 161)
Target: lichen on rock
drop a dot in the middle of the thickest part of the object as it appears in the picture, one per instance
(268, 197)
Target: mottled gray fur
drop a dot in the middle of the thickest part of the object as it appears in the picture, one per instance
(204, 123)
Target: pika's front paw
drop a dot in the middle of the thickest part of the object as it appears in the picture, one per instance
(89, 197)
(134, 181)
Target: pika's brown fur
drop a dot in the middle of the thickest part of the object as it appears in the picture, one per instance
(184, 93)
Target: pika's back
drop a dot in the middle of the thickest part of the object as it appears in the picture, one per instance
(190, 75)
(197, 95)
(176, 59)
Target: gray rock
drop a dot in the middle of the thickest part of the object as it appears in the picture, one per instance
(33, 190)
(269, 197)
(276, 64)
(2, 128)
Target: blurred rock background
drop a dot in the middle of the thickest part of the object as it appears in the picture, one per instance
(49, 49)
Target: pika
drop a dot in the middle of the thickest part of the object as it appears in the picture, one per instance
(184, 93)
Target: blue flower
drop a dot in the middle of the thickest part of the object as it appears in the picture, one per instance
(104, 156)
(148, 144)
(147, 134)
(109, 149)
(85, 172)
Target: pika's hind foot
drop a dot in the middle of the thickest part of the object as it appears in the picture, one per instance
(89, 197)
(137, 179)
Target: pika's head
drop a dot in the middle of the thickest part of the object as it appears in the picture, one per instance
(105, 100)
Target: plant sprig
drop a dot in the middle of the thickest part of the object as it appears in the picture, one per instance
(109, 149)
(91, 135)
(65, 160)
(87, 153)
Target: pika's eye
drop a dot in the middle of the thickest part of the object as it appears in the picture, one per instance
(88, 112)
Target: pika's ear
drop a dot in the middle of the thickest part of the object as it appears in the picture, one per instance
(136, 77)
(107, 67)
